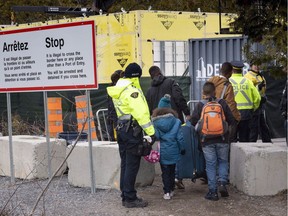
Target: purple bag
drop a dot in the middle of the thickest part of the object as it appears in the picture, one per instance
(154, 156)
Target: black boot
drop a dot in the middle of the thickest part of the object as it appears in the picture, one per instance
(138, 203)
(211, 195)
(223, 190)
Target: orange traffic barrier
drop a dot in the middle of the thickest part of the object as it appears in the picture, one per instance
(82, 113)
(55, 116)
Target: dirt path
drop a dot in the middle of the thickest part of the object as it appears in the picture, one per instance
(63, 199)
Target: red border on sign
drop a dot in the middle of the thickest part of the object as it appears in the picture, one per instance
(57, 88)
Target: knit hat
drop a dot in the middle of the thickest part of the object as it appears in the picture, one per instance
(165, 102)
(133, 70)
(154, 71)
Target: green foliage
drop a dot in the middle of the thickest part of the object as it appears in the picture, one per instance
(265, 23)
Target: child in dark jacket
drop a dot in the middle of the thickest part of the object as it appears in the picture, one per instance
(168, 131)
(215, 149)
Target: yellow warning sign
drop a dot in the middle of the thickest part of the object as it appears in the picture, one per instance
(167, 24)
(199, 25)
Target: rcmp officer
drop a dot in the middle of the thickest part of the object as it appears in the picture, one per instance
(247, 98)
(133, 117)
(258, 123)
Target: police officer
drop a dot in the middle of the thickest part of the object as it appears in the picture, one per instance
(133, 117)
(247, 98)
(258, 123)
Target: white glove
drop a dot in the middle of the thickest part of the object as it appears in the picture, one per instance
(148, 138)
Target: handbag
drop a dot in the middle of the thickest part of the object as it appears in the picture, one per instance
(147, 148)
(143, 149)
(154, 155)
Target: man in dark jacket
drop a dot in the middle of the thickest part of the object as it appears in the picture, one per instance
(162, 85)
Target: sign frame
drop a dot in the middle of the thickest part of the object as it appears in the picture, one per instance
(61, 87)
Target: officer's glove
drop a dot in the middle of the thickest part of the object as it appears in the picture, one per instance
(182, 152)
(150, 139)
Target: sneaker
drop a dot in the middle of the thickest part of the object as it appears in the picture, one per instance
(138, 203)
(167, 196)
(172, 193)
(223, 190)
(212, 196)
(179, 184)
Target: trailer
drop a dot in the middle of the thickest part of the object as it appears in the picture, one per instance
(146, 37)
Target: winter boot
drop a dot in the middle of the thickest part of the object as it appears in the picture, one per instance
(138, 203)
(211, 195)
(223, 190)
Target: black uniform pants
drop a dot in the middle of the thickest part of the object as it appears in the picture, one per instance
(130, 162)
(243, 130)
(258, 125)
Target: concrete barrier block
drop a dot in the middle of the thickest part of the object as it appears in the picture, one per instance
(259, 169)
(106, 163)
(30, 156)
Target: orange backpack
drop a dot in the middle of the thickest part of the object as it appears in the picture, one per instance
(212, 122)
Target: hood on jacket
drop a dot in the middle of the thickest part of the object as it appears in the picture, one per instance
(218, 81)
(115, 91)
(158, 80)
(164, 122)
(164, 118)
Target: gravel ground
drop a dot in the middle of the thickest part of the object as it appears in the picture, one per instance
(63, 199)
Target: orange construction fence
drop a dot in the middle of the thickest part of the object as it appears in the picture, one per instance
(82, 113)
(55, 116)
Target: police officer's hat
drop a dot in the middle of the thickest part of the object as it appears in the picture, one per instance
(237, 65)
(133, 70)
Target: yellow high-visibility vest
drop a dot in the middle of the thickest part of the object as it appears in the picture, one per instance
(257, 79)
(130, 101)
(246, 94)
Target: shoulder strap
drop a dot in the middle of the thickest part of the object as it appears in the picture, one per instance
(218, 99)
(224, 90)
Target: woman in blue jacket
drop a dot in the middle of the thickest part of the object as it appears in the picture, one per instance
(169, 132)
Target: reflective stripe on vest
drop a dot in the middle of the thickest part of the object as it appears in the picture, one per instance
(125, 117)
(120, 111)
(128, 116)
(249, 102)
(146, 125)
